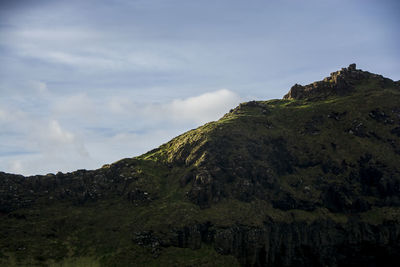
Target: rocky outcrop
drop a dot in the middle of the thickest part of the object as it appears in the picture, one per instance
(320, 243)
(339, 83)
(122, 179)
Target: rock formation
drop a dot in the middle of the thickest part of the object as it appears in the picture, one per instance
(339, 83)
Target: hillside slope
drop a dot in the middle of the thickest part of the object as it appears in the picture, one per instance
(309, 180)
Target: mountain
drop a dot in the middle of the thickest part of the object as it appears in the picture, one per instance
(312, 179)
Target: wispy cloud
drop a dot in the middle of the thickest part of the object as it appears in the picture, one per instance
(91, 49)
(195, 110)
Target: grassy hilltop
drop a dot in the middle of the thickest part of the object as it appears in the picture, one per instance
(309, 180)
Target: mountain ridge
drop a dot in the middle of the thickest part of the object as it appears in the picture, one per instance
(308, 180)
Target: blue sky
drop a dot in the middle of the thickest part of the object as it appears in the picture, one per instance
(84, 83)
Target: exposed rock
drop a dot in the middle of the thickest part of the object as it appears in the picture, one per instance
(148, 240)
(380, 116)
(358, 129)
(322, 243)
(339, 83)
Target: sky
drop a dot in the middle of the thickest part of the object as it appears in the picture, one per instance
(86, 83)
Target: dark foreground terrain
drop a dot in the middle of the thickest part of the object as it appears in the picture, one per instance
(309, 180)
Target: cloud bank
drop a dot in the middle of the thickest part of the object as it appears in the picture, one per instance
(80, 131)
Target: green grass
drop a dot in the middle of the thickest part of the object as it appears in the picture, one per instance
(100, 233)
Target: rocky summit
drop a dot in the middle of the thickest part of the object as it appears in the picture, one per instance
(312, 179)
(339, 83)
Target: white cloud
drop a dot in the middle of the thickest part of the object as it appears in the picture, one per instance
(84, 131)
(195, 110)
(91, 50)
(59, 135)
(60, 138)
(82, 61)
(203, 108)
(54, 149)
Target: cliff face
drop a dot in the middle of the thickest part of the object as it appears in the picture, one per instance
(320, 243)
(310, 180)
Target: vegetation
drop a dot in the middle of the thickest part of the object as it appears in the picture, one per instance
(272, 182)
